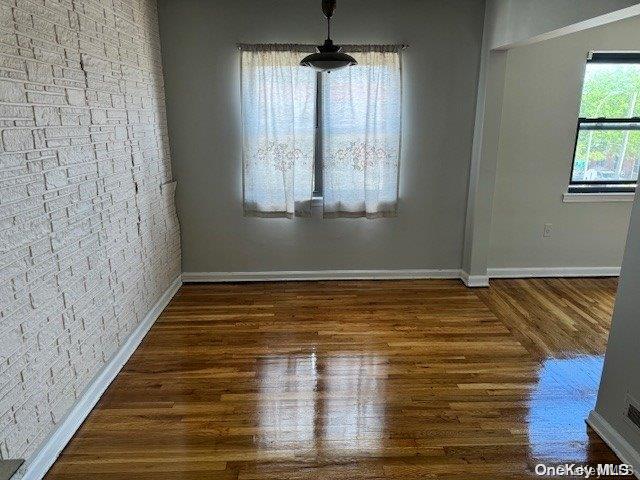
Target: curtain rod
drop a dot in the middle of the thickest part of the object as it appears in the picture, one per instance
(304, 47)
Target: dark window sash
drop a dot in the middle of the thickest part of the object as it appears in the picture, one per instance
(585, 187)
(602, 123)
(614, 57)
(318, 174)
(602, 186)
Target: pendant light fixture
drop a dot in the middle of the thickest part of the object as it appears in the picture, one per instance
(328, 57)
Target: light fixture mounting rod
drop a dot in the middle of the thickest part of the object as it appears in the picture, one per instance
(328, 7)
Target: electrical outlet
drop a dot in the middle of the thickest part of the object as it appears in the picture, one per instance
(547, 230)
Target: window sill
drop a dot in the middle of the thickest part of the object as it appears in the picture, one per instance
(597, 197)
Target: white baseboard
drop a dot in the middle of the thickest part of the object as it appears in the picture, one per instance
(553, 272)
(473, 281)
(618, 444)
(271, 276)
(468, 280)
(43, 459)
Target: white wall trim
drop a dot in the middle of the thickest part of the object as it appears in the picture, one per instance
(618, 444)
(473, 281)
(553, 272)
(271, 276)
(469, 280)
(571, 197)
(36, 467)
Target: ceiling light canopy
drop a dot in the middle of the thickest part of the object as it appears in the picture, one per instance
(328, 57)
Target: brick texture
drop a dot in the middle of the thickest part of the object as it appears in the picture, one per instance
(89, 236)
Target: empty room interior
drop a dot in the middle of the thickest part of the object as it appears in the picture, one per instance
(319, 239)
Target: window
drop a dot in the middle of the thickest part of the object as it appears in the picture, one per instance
(334, 135)
(607, 147)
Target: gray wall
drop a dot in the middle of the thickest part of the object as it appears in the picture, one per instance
(510, 22)
(540, 108)
(620, 375)
(202, 78)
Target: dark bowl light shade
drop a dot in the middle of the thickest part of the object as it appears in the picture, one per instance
(327, 58)
(328, 61)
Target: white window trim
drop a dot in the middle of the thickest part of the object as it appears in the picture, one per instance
(571, 197)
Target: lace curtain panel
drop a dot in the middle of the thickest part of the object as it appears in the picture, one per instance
(278, 112)
(361, 136)
(360, 116)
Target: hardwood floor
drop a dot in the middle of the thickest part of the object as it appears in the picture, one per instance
(555, 317)
(355, 380)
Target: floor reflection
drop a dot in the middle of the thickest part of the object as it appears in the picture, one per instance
(335, 405)
(561, 401)
(353, 413)
(287, 401)
(328, 405)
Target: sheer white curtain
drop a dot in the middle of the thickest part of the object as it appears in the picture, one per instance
(361, 112)
(278, 113)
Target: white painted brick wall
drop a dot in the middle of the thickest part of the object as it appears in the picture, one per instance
(89, 236)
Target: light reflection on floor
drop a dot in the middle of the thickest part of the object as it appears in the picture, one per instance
(287, 401)
(561, 401)
(331, 406)
(334, 405)
(353, 416)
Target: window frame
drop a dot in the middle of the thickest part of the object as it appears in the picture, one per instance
(599, 124)
(318, 174)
